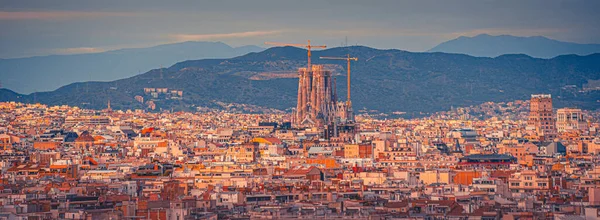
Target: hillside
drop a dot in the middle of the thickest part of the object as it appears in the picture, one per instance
(46, 73)
(492, 46)
(383, 80)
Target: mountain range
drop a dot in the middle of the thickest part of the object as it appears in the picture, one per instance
(485, 45)
(47, 73)
(383, 80)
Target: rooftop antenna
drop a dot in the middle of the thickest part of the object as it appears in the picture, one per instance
(346, 42)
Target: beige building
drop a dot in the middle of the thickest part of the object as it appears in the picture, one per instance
(569, 119)
(351, 151)
(368, 178)
(149, 142)
(246, 153)
(528, 181)
(436, 176)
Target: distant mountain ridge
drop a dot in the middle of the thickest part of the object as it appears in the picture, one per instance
(383, 80)
(485, 45)
(47, 73)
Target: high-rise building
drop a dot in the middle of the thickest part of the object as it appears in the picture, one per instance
(541, 118)
(569, 119)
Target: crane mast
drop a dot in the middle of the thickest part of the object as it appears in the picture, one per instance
(348, 59)
(307, 46)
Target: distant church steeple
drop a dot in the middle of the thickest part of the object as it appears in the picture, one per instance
(108, 106)
(457, 147)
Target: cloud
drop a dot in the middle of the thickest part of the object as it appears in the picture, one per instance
(200, 37)
(58, 15)
(78, 50)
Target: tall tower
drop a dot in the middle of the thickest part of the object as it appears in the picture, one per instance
(108, 108)
(315, 97)
(541, 117)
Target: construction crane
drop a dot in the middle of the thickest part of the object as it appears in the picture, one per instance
(307, 46)
(348, 59)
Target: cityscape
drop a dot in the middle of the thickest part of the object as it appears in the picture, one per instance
(292, 133)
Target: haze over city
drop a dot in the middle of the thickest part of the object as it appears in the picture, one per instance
(430, 110)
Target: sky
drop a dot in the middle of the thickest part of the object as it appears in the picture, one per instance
(42, 27)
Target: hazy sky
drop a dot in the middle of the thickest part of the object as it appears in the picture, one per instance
(41, 27)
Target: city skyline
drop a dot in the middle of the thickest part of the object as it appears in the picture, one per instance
(477, 128)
